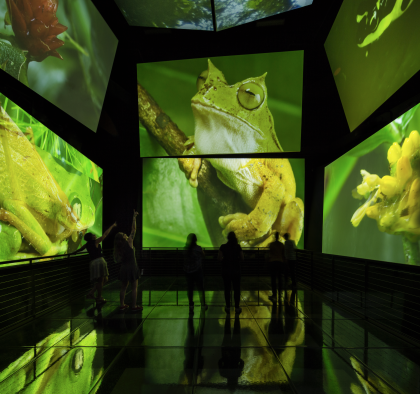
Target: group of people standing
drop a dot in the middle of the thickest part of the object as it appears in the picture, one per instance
(282, 258)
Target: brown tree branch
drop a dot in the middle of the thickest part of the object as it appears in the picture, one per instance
(172, 139)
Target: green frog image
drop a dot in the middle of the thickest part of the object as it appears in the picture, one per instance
(64, 364)
(236, 119)
(33, 204)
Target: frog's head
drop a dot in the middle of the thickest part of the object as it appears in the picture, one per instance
(232, 118)
(78, 213)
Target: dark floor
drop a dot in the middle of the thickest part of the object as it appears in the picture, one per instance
(302, 345)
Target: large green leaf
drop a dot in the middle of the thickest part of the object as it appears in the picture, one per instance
(388, 134)
(11, 59)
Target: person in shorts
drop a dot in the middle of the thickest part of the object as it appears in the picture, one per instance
(98, 267)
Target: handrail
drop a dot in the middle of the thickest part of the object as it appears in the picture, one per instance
(376, 290)
(46, 258)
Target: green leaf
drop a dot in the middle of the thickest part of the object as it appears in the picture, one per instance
(406, 119)
(388, 134)
(336, 175)
(11, 59)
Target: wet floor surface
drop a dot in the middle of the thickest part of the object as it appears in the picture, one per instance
(301, 344)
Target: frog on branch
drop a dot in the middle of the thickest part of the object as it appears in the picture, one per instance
(32, 204)
(236, 119)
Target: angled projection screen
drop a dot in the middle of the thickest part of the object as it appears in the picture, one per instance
(230, 104)
(50, 194)
(172, 208)
(68, 62)
(373, 49)
(231, 13)
(371, 197)
(173, 14)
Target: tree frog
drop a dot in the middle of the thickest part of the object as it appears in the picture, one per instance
(236, 119)
(31, 200)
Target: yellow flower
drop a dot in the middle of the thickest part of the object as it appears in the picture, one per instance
(396, 203)
(394, 153)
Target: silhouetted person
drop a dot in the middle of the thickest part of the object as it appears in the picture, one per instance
(98, 267)
(125, 254)
(193, 258)
(231, 256)
(231, 365)
(290, 253)
(278, 267)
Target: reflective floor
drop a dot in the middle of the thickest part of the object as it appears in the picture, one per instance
(300, 345)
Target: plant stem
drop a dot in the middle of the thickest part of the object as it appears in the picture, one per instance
(23, 75)
(411, 251)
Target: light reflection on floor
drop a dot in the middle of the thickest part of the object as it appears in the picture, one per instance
(301, 345)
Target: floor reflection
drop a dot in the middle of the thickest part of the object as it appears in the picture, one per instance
(231, 364)
(302, 345)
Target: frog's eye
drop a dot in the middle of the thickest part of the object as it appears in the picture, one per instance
(201, 79)
(250, 95)
(77, 360)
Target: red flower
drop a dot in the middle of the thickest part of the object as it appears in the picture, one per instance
(36, 27)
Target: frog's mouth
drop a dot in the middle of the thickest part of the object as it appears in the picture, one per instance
(217, 131)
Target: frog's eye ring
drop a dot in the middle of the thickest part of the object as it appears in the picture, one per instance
(201, 79)
(250, 95)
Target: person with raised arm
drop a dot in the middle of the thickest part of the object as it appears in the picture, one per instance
(98, 267)
(125, 254)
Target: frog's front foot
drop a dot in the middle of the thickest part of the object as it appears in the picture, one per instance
(241, 224)
(190, 166)
(189, 146)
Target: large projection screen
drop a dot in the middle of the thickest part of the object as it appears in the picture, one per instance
(50, 193)
(231, 13)
(172, 14)
(230, 104)
(371, 197)
(172, 208)
(64, 51)
(373, 49)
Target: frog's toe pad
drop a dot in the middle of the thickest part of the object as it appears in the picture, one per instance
(225, 220)
(190, 167)
(242, 227)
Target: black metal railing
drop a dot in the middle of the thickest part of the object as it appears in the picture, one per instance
(385, 293)
(30, 287)
(169, 262)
